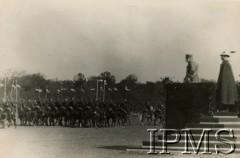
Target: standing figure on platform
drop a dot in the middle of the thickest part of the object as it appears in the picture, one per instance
(226, 87)
(192, 70)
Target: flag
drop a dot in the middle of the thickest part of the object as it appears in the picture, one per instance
(13, 86)
(115, 89)
(18, 86)
(73, 90)
(38, 90)
(127, 89)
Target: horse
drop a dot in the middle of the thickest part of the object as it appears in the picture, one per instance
(7, 114)
(2, 117)
(53, 116)
(22, 115)
(110, 115)
(36, 115)
(122, 117)
(158, 115)
(88, 116)
(147, 114)
(78, 115)
(99, 117)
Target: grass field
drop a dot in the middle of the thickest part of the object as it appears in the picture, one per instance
(62, 142)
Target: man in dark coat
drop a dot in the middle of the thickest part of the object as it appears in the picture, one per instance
(226, 86)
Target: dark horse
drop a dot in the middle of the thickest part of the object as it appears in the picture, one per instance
(7, 114)
(99, 117)
(153, 115)
(110, 115)
(147, 114)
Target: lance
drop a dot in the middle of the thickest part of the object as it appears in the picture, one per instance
(12, 87)
(16, 100)
(97, 91)
(5, 90)
(92, 94)
(104, 88)
(46, 93)
(81, 93)
(39, 91)
(16, 90)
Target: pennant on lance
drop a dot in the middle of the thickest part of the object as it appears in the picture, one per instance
(126, 88)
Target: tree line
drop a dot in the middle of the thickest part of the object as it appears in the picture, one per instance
(36, 86)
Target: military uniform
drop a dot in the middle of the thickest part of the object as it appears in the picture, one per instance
(191, 72)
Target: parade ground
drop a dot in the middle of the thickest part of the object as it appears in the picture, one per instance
(64, 142)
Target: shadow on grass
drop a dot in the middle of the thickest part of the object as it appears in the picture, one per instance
(117, 147)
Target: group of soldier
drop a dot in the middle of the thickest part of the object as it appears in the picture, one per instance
(64, 112)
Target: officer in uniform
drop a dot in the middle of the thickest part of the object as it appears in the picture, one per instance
(192, 70)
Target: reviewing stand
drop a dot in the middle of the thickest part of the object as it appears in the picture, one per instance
(192, 106)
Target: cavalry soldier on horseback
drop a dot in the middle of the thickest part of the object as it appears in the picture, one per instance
(149, 107)
(148, 113)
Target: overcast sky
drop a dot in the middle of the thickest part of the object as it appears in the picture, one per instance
(148, 38)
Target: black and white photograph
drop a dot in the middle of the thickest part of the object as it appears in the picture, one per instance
(119, 78)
